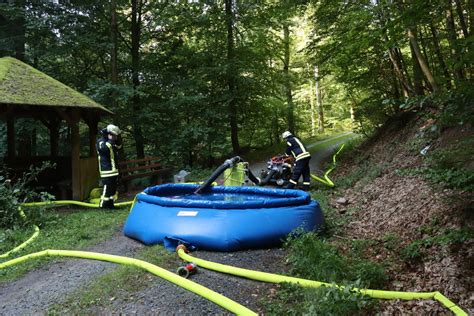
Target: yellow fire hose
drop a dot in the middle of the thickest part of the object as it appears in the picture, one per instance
(70, 202)
(326, 179)
(24, 244)
(276, 278)
(206, 293)
(191, 286)
(37, 230)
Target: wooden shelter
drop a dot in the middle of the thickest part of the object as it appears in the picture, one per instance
(28, 93)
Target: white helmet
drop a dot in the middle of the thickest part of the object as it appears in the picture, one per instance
(114, 130)
(286, 134)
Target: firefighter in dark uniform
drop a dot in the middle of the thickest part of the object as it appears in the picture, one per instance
(107, 147)
(296, 149)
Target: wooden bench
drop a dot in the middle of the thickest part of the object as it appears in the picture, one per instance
(141, 168)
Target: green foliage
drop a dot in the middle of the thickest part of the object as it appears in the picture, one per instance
(391, 241)
(356, 174)
(453, 178)
(14, 193)
(417, 249)
(294, 300)
(449, 166)
(316, 259)
(456, 107)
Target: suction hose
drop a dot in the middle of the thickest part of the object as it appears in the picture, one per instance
(191, 286)
(253, 178)
(268, 177)
(227, 164)
(276, 278)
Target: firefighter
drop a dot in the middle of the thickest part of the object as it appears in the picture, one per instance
(107, 151)
(296, 149)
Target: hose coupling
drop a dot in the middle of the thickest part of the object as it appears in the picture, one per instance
(187, 270)
(181, 246)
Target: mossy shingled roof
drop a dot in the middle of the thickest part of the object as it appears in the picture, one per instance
(24, 85)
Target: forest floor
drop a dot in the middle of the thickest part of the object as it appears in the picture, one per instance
(420, 231)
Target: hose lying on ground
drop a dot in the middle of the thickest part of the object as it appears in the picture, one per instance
(326, 179)
(27, 242)
(191, 286)
(48, 203)
(276, 278)
(71, 202)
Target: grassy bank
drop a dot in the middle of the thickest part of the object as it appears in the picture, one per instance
(72, 229)
(321, 256)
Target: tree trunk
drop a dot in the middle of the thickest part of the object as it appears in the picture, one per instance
(311, 103)
(395, 57)
(417, 74)
(403, 64)
(395, 84)
(287, 80)
(231, 76)
(439, 55)
(470, 11)
(428, 57)
(136, 34)
(19, 31)
(113, 39)
(452, 38)
(407, 89)
(424, 66)
(319, 103)
(462, 20)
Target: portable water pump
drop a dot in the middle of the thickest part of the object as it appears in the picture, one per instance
(278, 172)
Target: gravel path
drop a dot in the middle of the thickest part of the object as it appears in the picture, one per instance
(51, 284)
(38, 289)
(166, 298)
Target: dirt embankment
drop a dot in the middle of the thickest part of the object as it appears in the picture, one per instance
(409, 220)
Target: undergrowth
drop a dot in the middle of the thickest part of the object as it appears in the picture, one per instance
(417, 250)
(315, 256)
(448, 167)
(295, 300)
(312, 257)
(13, 192)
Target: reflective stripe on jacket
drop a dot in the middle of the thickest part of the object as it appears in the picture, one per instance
(107, 155)
(296, 148)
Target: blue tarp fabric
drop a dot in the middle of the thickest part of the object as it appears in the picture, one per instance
(222, 219)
